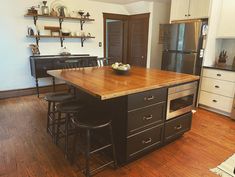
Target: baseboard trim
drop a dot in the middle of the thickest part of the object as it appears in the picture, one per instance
(30, 91)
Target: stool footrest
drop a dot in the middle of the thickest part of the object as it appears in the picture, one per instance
(99, 149)
(94, 171)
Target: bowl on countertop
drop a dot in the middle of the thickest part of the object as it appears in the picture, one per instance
(120, 68)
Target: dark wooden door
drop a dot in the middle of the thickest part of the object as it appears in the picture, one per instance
(115, 40)
(138, 39)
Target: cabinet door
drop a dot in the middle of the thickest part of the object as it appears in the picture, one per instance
(226, 26)
(179, 9)
(199, 9)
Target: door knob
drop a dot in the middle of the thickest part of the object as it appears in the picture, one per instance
(142, 57)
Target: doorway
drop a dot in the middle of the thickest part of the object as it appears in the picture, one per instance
(115, 36)
(126, 38)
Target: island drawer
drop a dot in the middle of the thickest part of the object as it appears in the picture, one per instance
(177, 127)
(147, 98)
(144, 141)
(146, 117)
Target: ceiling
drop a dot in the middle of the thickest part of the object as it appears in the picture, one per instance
(129, 1)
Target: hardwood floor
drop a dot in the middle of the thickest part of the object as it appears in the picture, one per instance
(26, 150)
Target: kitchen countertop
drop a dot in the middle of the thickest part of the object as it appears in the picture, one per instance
(104, 84)
(226, 67)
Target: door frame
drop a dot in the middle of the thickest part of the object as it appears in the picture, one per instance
(123, 18)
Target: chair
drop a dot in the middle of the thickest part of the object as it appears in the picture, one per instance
(70, 109)
(104, 61)
(87, 122)
(53, 99)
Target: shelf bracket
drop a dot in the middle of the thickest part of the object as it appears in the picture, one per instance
(62, 41)
(35, 18)
(37, 40)
(82, 21)
(61, 21)
(82, 41)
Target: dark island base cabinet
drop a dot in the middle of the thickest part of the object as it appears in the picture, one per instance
(139, 122)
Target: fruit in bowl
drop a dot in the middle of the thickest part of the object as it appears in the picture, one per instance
(121, 68)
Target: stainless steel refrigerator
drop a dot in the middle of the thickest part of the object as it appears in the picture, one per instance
(183, 46)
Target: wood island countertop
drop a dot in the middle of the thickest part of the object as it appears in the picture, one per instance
(104, 83)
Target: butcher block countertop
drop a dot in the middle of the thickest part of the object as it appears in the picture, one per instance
(104, 83)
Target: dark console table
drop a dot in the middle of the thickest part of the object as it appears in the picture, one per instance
(40, 64)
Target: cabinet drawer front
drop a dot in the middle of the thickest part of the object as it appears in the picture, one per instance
(224, 88)
(147, 98)
(219, 74)
(141, 119)
(144, 141)
(216, 101)
(177, 126)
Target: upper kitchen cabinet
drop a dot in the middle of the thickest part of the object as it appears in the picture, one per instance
(226, 28)
(189, 9)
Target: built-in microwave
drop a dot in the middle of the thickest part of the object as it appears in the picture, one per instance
(181, 99)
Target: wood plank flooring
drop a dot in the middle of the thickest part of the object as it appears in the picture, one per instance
(26, 150)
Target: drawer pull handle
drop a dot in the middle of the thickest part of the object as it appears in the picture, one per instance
(215, 101)
(219, 75)
(178, 127)
(149, 140)
(149, 98)
(148, 117)
(216, 86)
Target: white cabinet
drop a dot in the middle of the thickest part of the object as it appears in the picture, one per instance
(189, 9)
(217, 90)
(199, 9)
(226, 28)
(179, 9)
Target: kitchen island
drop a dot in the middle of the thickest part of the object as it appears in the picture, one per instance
(136, 103)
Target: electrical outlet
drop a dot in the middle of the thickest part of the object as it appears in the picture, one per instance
(100, 44)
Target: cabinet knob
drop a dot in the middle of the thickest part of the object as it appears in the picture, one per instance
(189, 15)
(215, 101)
(149, 140)
(219, 75)
(216, 86)
(185, 15)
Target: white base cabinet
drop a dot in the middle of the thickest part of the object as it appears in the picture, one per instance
(217, 90)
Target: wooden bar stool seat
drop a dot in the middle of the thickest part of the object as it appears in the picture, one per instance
(86, 122)
(53, 99)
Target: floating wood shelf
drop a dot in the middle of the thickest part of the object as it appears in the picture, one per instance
(83, 38)
(60, 18)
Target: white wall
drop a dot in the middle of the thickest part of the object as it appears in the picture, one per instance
(14, 51)
(161, 15)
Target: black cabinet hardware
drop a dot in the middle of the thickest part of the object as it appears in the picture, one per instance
(219, 75)
(215, 101)
(216, 86)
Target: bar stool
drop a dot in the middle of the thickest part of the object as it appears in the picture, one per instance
(53, 99)
(70, 109)
(88, 124)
